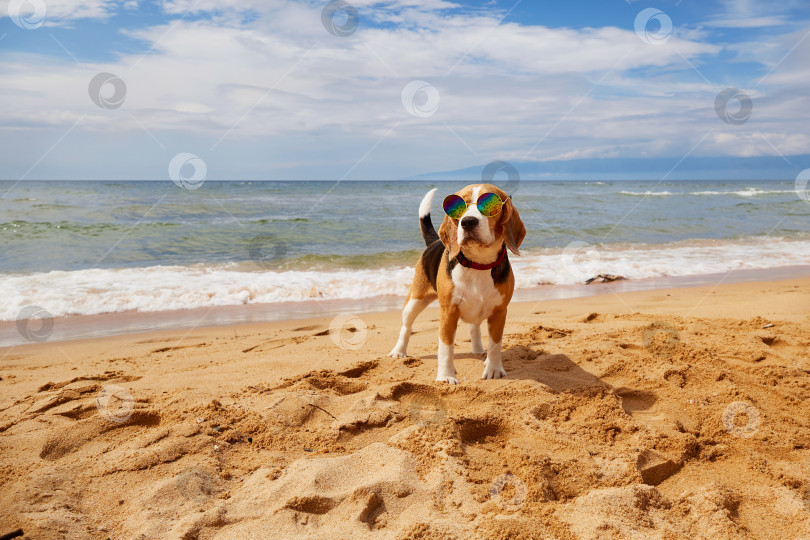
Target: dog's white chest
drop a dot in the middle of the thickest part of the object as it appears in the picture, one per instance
(475, 294)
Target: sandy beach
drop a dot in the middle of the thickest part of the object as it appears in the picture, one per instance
(678, 413)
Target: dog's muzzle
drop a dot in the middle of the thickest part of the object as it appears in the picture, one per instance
(469, 223)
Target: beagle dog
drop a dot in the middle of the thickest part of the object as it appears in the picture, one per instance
(466, 267)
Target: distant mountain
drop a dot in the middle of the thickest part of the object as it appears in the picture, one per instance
(691, 168)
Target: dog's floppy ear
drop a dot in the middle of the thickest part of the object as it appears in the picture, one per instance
(513, 229)
(448, 233)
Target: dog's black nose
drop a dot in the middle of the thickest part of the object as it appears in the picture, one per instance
(469, 222)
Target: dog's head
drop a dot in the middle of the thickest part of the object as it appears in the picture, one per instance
(478, 231)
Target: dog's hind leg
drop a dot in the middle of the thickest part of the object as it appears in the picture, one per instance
(413, 307)
(448, 323)
(475, 339)
(493, 366)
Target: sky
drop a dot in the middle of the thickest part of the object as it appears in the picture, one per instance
(313, 90)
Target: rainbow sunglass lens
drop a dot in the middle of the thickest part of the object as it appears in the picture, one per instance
(454, 206)
(489, 204)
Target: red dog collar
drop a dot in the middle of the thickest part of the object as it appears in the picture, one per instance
(467, 263)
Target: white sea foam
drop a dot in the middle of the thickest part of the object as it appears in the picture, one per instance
(748, 192)
(161, 288)
(679, 259)
(648, 193)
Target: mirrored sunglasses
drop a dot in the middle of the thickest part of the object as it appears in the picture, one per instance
(489, 204)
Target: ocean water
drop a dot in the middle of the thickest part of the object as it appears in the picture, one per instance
(99, 247)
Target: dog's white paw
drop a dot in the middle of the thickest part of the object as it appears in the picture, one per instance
(397, 354)
(478, 349)
(451, 380)
(493, 372)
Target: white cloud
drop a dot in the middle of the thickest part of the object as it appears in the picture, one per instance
(61, 12)
(749, 22)
(750, 14)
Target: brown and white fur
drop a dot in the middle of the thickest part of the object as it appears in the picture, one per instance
(465, 293)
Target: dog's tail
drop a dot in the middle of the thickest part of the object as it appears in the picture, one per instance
(428, 232)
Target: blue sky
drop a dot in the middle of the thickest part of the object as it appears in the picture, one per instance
(260, 89)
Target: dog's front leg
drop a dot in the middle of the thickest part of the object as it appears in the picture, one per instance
(447, 336)
(493, 367)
